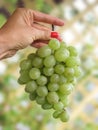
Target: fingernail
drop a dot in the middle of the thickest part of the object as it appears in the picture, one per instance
(56, 35)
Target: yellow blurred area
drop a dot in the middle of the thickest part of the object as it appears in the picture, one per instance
(17, 112)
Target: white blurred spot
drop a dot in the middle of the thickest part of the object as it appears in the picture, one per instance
(89, 17)
(2, 67)
(67, 12)
(24, 104)
(1, 128)
(79, 5)
(50, 126)
(79, 27)
(39, 117)
(89, 38)
(21, 126)
(96, 30)
(1, 98)
(91, 1)
(13, 59)
(68, 36)
(96, 52)
(96, 10)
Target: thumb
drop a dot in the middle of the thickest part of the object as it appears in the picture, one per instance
(41, 34)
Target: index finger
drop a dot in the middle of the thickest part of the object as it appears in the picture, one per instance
(41, 17)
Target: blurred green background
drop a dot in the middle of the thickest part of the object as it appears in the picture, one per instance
(17, 112)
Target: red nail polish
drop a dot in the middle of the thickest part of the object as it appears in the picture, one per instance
(55, 35)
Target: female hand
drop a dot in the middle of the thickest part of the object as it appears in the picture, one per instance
(22, 29)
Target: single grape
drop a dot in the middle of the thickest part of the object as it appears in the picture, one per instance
(72, 80)
(61, 54)
(56, 114)
(53, 86)
(63, 45)
(42, 91)
(44, 51)
(31, 87)
(66, 88)
(42, 80)
(37, 62)
(59, 68)
(69, 72)
(58, 106)
(26, 64)
(31, 56)
(54, 78)
(73, 51)
(20, 81)
(72, 61)
(46, 106)
(24, 77)
(64, 116)
(48, 71)
(33, 96)
(52, 97)
(34, 73)
(49, 61)
(65, 101)
(62, 79)
(40, 100)
(54, 44)
(78, 71)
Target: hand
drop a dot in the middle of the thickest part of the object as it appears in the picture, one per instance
(22, 29)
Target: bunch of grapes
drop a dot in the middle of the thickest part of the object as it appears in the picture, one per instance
(50, 75)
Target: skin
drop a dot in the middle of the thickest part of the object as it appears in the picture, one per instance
(23, 29)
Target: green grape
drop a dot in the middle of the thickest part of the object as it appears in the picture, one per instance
(72, 61)
(31, 87)
(54, 78)
(31, 56)
(20, 81)
(49, 61)
(69, 72)
(58, 106)
(34, 73)
(61, 54)
(46, 106)
(62, 79)
(42, 91)
(48, 71)
(37, 62)
(63, 45)
(72, 80)
(78, 71)
(73, 51)
(65, 101)
(53, 87)
(56, 114)
(59, 68)
(54, 44)
(61, 95)
(24, 77)
(66, 88)
(64, 116)
(44, 51)
(52, 97)
(26, 64)
(40, 100)
(33, 96)
(42, 80)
